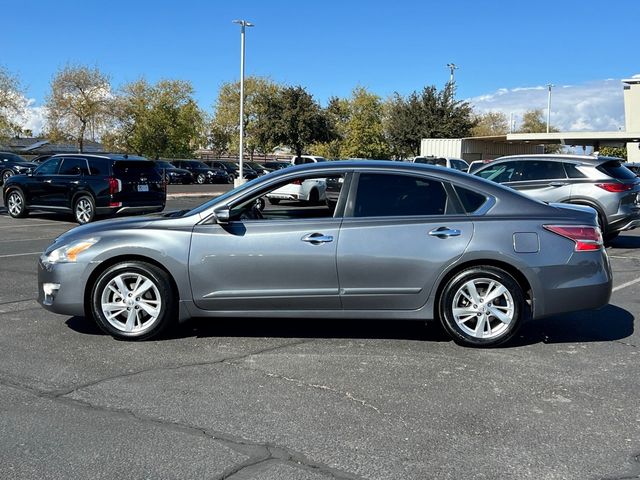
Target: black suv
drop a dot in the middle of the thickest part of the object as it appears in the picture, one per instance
(12, 164)
(232, 169)
(87, 185)
(203, 173)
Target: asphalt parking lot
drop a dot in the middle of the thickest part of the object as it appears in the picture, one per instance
(286, 399)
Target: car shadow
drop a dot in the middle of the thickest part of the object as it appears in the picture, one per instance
(608, 324)
(625, 241)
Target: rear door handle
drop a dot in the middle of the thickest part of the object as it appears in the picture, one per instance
(558, 184)
(317, 238)
(445, 232)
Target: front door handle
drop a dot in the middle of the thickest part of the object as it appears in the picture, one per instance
(445, 232)
(317, 238)
(48, 181)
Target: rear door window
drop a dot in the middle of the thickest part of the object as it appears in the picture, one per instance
(384, 195)
(617, 170)
(540, 170)
(74, 166)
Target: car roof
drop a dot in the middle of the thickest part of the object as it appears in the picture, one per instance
(561, 157)
(111, 156)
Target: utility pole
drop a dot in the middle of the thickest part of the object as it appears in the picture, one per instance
(452, 67)
(549, 86)
(243, 24)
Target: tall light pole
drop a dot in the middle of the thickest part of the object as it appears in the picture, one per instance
(243, 24)
(452, 68)
(549, 86)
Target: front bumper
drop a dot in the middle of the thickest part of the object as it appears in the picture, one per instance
(66, 282)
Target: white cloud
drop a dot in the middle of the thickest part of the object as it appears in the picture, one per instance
(590, 106)
(33, 117)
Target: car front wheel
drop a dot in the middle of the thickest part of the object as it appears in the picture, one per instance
(133, 301)
(200, 178)
(16, 204)
(482, 306)
(6, 174)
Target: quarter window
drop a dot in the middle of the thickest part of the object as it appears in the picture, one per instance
(384, 195)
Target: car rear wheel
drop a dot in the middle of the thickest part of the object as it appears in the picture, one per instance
(482, 306)
(200, 178)
(16, 204)
(133, 301)
(314, 197)
(84, 209)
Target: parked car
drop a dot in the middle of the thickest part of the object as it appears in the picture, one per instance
(232, 169)
(477, 164)
(332, 191)
(173, 174)
(87, 186)
(276, 165)
(258, 168)
(449, 162)
(308, 191)
(602, 183)
(203, 173)
(12, 164)
(405, 242)
(302, 159)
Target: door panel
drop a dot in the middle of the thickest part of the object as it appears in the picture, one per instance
(265, 265)
(392, 263)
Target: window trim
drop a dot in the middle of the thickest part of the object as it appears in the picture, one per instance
(80, 159)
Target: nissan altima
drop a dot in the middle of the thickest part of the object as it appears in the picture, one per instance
(402, 241)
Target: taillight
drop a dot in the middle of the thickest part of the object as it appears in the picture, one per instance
(115, 185)
(615, 187)
(296, 182)
(586, 238)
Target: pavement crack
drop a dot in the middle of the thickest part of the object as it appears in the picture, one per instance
(67, 391)
(302, 383)
(257, 452)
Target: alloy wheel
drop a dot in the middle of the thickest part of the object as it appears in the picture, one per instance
(483, 308)
(15, 204)
(131, 302)
(84, 210)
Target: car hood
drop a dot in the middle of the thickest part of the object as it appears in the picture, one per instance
(27, 165)
(96, 228)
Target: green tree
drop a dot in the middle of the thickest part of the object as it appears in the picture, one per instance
(363, 132)
(224, 128)
(489, 124)
(338, 112)
(12, 103)
(620, 152)
(292, 118)
(426, 114)
(78, 106)
(161, 120)
(533, 121)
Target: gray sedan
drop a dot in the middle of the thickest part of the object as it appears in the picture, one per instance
(402, 241)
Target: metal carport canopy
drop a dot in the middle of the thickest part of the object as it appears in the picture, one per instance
(576, 138)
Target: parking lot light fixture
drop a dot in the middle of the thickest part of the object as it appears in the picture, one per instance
(243, 24)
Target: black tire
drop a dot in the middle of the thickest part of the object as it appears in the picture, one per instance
(314, 197)
(274, 201)
(230, 179)
(6, 174)
(16, 204)
(512, 302)
(84, 209)
(129, 272)
(167, 179)
(201, 179)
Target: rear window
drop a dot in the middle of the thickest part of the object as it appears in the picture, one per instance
(616, 170)
(126, 166)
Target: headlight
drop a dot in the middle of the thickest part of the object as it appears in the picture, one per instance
(69, 253)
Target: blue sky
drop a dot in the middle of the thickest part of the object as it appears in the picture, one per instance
(327, 46)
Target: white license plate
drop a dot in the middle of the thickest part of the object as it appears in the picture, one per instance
(143, 188)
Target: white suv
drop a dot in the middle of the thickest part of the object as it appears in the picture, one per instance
(449, 162)
(302, 159)
(311, 190)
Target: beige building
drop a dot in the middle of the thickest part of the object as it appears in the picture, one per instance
(479, 148)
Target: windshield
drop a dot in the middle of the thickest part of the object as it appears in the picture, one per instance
(164, 165)
(223, 197)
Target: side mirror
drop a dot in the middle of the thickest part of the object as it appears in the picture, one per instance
(223, 215)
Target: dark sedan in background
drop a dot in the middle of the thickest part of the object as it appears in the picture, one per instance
(203, 173)
(232, 168)
(173, 174)
(12, 164)
(404, 241)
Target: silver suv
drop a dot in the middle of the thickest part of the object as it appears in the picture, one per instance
(603, 183)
